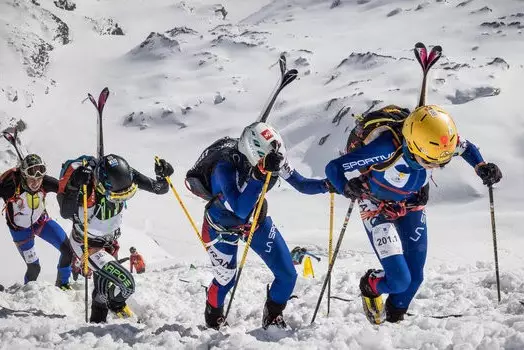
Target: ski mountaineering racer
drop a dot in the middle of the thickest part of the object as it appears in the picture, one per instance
(24, 190)
(136, 261)
(392, 192)
(111, 182)
(230, 174)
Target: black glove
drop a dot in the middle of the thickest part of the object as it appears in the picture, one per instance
(356, 187)
(272, 161)
(81, 176)
(330, 186)
(489, 173)
(163, 169)
(421, 198)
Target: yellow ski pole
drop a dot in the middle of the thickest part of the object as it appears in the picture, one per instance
(248, 243)
(330, 244)
(86, 248)
(157, 160)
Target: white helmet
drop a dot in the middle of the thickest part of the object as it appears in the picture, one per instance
(257, 140)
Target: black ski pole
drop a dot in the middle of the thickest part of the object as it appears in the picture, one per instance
(333, 259)
(494, 232)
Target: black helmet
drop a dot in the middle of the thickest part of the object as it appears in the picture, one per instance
(132, 250)
(114, 178)
(33, 167)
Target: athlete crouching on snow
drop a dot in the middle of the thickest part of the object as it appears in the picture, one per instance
(110, 183)
(23, 190)
(396, 196)
(236, 181)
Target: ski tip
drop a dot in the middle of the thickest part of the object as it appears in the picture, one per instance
(282, 63)
(419, 45)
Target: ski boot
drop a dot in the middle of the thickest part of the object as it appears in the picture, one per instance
(372, 302)
(273, 315)
(124, 312)
(394, 314)
(214, 316)
(98, 313)
(65, 287)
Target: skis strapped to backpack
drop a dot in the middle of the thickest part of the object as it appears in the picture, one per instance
(198, 178)
(369, 126)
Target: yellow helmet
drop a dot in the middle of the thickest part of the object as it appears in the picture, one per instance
(431, 134)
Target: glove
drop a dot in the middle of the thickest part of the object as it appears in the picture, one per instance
(271, 162)
(163, 169)
(81, 176)
(355, 188)
(421, 198)
(330, 186)
(489, 173)
(297, 255)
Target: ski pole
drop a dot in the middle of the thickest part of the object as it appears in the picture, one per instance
(86, 248)
(494, 232)
(334, 258)
(157, 160)
(248, 243)
(330, 245)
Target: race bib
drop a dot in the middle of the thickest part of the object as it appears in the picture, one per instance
(222, 269)
(223, 275)
(386, 241)
(30, 255)
(100, 258)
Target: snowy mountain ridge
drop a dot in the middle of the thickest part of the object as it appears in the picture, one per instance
(184, 73)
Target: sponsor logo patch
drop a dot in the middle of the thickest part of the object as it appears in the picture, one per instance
(365, 162)
(267, 134)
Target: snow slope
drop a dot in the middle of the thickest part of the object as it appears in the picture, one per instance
(175, 59)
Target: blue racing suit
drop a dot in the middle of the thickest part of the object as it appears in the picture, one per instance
(401, 253)
(227, 220)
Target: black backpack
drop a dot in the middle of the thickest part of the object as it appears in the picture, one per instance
(370, 125)
(198, 178)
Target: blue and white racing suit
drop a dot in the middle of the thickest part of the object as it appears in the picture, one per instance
(237, 193)
(402, 252)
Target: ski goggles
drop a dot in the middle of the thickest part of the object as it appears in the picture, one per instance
(118, 196)
(35, 171)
